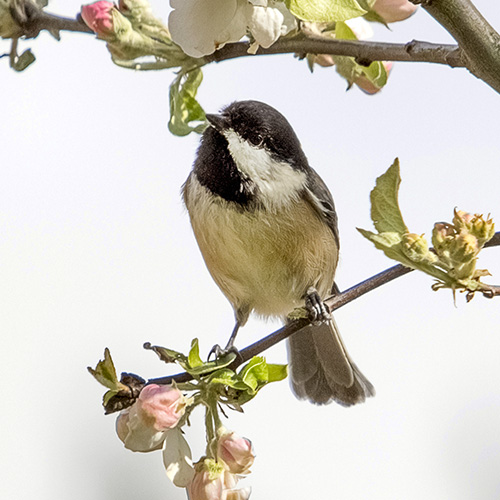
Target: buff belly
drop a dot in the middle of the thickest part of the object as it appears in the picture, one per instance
(263, 261)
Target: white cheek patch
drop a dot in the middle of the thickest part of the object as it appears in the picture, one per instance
(278, 183)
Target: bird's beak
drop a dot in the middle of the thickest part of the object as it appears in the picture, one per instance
(218, 122)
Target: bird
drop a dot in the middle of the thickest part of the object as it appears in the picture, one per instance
(266, 226)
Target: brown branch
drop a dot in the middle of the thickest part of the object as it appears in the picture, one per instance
(363, 51)
(478, 41)
(31, 20)
(334, 303)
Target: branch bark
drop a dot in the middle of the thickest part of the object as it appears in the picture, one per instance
(478, 41)
(364, 52)
(334, 303)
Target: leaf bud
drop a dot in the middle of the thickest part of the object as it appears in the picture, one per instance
(462, 220)
(464, 247)
(482, 229)
(442, 235)
(415, 247)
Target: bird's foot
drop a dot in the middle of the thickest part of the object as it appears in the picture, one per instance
(218, 352)
(318, 311)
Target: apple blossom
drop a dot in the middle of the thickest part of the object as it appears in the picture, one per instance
(236, 453)
(142, 426)
(163, 404)
(200, 27)
(392, 11)
(212, 482)
(99, 18)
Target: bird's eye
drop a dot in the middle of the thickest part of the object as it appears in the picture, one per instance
(255, 139)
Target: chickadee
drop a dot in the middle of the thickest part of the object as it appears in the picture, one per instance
(266, 226)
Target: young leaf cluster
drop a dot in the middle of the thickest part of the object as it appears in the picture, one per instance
(452, 261)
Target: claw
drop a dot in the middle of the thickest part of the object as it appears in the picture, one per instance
(217, 352)
(318, 312)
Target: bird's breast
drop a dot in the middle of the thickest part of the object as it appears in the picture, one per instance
(262, 260)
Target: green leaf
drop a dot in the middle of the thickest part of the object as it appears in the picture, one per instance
(255, 372)
(24, 60)
(210, 366)
(391, 244)
(325, 10)
(385, 211)
(228, 378)
(168, 355)
(275, 373)
(350, 69)
(184, 108)
(105, 372)
(194, 355)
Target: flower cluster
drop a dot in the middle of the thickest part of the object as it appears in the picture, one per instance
(200, 27)
(154, 417)
(155, 422)
(458, 244)
(132, 31)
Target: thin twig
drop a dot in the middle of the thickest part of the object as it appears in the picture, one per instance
(334, 303)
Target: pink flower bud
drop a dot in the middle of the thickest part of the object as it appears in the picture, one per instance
(236, 453)
(162, 405)
(99, 18)
(207, 483)
(212, 482)
(367, 86)
(142, 426)
(392, 11)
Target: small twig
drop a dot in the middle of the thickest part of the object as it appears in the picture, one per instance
(334, 303)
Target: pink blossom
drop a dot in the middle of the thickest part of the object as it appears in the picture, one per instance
(99, 18)
(394, 10)
(212, 482)
(206, 485)
(162, 405)
(236, 453)
(143, 426)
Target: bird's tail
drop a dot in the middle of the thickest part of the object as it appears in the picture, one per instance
(321, 369)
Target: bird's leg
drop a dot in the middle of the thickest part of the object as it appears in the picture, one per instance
(316, 308)
(217, 351)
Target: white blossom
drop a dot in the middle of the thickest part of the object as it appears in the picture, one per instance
(200, 27)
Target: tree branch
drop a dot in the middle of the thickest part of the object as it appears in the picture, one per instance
(477, 39)
(31, 19)
(364, 52)
(334, 303)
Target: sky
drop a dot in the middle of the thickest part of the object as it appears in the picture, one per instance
(96, 251)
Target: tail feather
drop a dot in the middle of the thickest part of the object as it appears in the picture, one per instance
(321, 369)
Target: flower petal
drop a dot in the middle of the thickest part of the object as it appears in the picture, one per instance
(177, 458)
(202, 26)
(267, 24)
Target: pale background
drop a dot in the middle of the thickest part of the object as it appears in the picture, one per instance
(96, 251)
